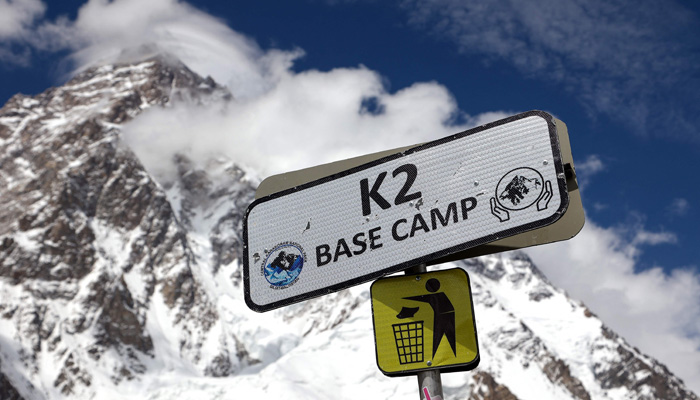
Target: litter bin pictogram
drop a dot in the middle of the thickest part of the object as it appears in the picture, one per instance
(409, 341)
(424, 322)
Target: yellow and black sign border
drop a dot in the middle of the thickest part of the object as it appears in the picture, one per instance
(468, 366)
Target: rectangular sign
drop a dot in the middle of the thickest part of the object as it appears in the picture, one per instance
(566, 227)
(424, 322)
(408, 208)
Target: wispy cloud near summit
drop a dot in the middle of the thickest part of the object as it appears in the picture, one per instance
(321, 113)
(109, 31)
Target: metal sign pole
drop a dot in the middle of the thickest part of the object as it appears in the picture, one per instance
(429, 382)
(430, 385)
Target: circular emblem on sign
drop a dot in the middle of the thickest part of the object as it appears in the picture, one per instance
(283, 264)
(519, 188)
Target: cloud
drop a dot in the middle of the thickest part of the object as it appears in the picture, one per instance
(647, 307)
(643, 237)
(16, 20)
(278, 120)
(678, 207)
(592, 165)
(290, 120)
(600, 206)
(305, 119)
(109, 31)
(586, 169)
(323, 114)
(634, 62)
(17, 16)
(489, 116)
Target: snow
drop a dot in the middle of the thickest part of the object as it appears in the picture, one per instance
(28, 240)
(28, 102)
(319, 349)
(55, 123)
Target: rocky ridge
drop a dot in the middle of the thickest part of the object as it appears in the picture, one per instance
(112, 280)
(89, 240)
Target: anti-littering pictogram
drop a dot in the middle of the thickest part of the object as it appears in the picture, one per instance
(443, 312)
(424, 322)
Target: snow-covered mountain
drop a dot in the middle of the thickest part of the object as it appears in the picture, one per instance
(115, 283)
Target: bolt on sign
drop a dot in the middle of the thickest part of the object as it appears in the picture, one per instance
(405, 209)
(424, 322)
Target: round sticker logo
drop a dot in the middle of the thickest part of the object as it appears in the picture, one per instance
(283, 265)
(519, 188)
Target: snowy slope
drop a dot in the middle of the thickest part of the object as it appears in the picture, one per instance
(117, 283)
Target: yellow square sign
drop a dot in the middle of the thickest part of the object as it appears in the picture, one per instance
(424, 322)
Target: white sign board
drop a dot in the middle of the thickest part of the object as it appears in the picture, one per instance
(442, 197)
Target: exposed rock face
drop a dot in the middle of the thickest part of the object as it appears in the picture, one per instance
(628, 368)
(88, 240)
(573, 350)
(486, 388)
(112, 281)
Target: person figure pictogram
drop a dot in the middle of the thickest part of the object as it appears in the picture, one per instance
(443, 314)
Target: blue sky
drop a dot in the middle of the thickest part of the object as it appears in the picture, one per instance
(625, 81)
(623, 75)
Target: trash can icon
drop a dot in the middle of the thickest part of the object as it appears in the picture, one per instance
(409, 341)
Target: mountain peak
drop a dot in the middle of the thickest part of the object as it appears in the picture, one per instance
(112, 282)
(90, 238)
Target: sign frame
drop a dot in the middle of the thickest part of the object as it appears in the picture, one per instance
(426, 258)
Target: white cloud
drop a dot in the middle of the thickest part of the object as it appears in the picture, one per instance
(489, 116)
(586, 169)
(635, 63)
(16, 20)
(643, 237)
(16, 16)
(109, 31)
(658, 312)
(592, 165)
(305, 119)
(279, 120)
(678, 207)
(599, 206)
(312, 117)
